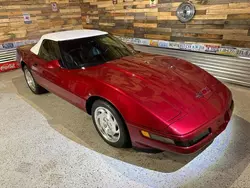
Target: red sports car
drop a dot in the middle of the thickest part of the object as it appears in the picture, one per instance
(135, 99)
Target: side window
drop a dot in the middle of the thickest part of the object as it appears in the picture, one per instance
(49, 50)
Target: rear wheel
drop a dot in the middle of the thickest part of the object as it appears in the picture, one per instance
(34, 87)
(110, 125)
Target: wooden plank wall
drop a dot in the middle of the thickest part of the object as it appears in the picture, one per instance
(12, 25)
(225, 22)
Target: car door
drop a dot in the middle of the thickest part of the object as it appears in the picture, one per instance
(51, 75)
(45, 67)
(76, 78)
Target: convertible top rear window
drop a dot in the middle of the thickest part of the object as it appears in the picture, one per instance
(49, 50)
(92, 51)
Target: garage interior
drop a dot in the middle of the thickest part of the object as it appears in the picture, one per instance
(47, 142)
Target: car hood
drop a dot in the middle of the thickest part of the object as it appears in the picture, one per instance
(164, 85)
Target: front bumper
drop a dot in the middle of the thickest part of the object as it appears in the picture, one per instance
(188, 143)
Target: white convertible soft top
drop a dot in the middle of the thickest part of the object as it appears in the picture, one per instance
(66, 35)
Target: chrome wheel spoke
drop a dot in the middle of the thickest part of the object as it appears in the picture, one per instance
(109, 132)
(107, 124)
(100, 116)
(108, 115)
(114, 127)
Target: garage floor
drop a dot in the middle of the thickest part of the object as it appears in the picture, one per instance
(47, 142)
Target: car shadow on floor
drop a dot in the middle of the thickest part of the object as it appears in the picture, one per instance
(225, 154)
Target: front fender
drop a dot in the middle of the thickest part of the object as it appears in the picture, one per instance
(130, 109)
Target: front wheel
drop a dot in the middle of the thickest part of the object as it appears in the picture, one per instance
(34, 87)
(110, 125)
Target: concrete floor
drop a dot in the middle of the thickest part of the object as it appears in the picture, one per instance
(47, 142)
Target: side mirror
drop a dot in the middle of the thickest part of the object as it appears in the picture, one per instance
(53, 64)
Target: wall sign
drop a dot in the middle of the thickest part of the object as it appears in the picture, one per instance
(11, 45)
(87, 19)
(163, 44)
(153, 43)
(27, 18)
(152, 3)
(174, 45)
(185, 12)
(230, 51)
(243, 53)
(9, 66)
(54, 7)
(198, 47)
(8, 45)
(188, 46)
(210, 48)
(139, 41)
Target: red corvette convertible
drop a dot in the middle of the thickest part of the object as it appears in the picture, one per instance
(135, 99)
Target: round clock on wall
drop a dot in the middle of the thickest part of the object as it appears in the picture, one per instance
(185, 12)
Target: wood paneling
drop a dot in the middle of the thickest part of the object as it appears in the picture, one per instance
(44, 20)
(216, 21)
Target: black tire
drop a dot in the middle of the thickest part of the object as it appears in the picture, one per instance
(36, 89)
(124, 140)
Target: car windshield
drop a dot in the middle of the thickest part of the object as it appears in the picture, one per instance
(92, 51)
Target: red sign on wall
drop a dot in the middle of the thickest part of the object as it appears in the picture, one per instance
(9, 66)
